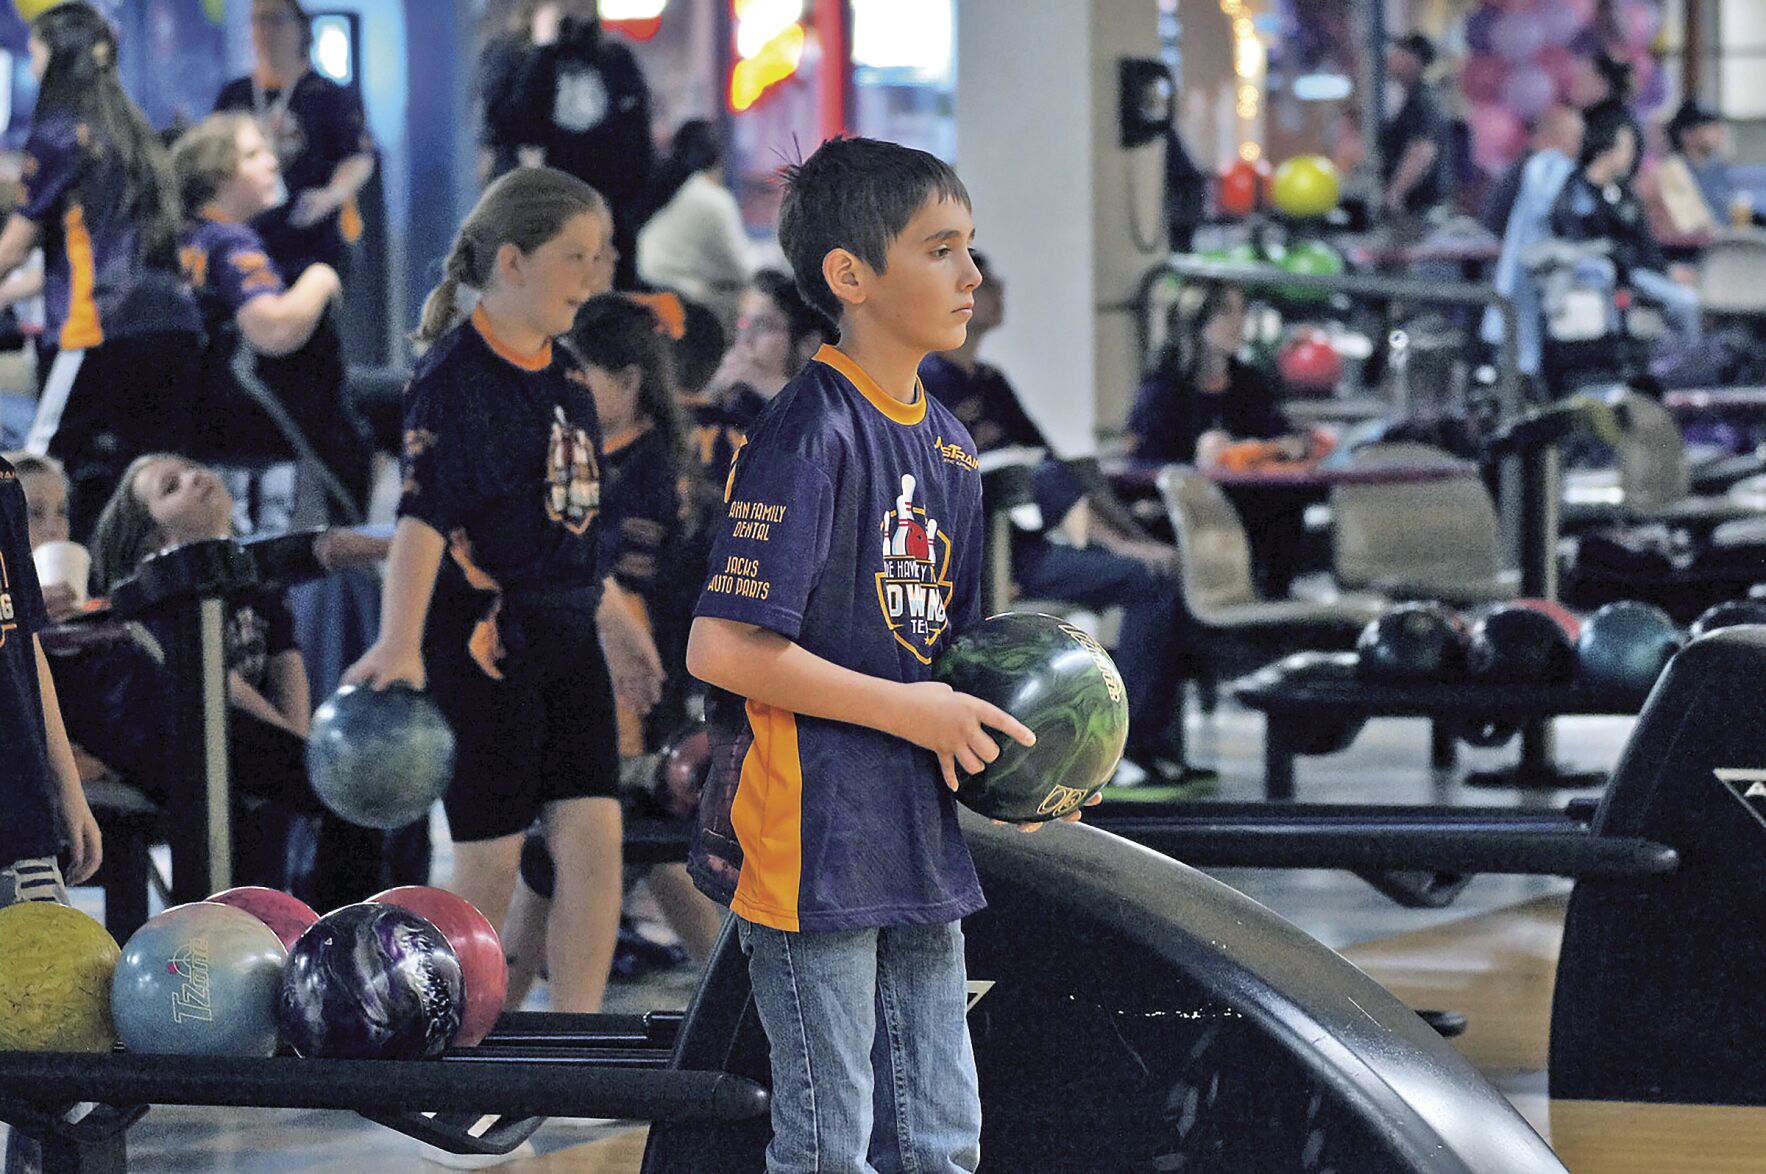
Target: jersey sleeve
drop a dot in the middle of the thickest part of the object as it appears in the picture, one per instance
(769, 547)
(239, 270)
(25, 592)
(439, 475)
(51, 165)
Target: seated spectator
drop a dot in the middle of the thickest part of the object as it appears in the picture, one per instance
(1200, 396)
(165, 501)
(1543, 175)
(1598, 203)
(694, 242)
(1115, 564)
(1695, 190)
(226, 176)
(1201, 399)
(112, 692)
(777, 332)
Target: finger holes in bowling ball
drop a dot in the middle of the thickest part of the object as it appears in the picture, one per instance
(1061, 683)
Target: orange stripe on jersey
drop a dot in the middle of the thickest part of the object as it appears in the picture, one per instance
(767, 815)
(901, 413)
(82, 328)
(481, 322)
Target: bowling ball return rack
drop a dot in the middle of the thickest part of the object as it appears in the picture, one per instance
(1128, 1012)
(1315, 703)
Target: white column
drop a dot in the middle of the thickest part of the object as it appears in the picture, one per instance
(1057, 202)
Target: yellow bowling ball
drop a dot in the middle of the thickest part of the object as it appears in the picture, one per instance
(32, 9)
(1305, 185)
(55, 971)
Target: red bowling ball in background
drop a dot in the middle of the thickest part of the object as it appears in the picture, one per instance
(482, 965)
(1308, 362)
(1243, 187)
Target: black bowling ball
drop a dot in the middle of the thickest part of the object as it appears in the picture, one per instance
(1414, 642)
(1729, 614)
(1517, 646)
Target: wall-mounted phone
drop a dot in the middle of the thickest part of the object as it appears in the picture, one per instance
(1146, 92)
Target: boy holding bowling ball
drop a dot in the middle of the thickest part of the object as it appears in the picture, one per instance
(848, 558)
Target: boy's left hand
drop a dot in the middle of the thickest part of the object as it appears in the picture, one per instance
(1070, 818)
(85, 844)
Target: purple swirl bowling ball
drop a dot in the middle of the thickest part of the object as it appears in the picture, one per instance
(371, 982)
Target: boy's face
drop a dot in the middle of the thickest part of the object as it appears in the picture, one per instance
(926, 295)
(46, 501)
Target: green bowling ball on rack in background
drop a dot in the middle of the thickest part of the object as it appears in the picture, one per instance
(1058, 681)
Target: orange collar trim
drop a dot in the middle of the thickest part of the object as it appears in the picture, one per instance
(213, 212)
(616, 441)
(901, 413)
(481, 322)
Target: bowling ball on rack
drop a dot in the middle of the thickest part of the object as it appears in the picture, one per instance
(1520, 646)
(371, 982)
(483, 969)
(1305, 186)
(380, 758)
(287, 916)
(1625, 646)
(1414, 642)
(1061, 683)
(1729, 614)
(55, 969)
(199, 980)
(1568, 620)
(1309, 362)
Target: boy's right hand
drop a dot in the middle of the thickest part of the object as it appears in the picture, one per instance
(383, 665)
(954, 726)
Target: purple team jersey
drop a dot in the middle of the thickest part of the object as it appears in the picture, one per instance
(852, 526)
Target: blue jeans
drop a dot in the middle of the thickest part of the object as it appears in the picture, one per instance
(872, 1066)
(1156, 626)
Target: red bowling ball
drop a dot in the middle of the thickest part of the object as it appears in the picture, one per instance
(474, 939)
(287, 917)
(1309, 362)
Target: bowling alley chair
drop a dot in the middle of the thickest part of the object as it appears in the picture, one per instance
(1419, 540)
(1652, 481)
(1215, 568)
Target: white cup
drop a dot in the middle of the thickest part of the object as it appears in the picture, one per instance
(63, 562)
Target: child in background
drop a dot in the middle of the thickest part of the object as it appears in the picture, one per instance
(503, 477)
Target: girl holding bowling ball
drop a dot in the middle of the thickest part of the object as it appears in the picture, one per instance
(494, 595)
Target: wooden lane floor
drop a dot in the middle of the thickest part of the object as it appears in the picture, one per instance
(622, 1153)
(1498, 969)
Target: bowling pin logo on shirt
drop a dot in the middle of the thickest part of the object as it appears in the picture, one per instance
(914, 587)
(573, 476)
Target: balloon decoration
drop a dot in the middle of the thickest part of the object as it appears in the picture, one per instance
(215, 10)
(32, 9)
(1526, 55)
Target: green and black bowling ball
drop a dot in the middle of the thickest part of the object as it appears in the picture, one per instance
(1058, 681)
(1414, 642)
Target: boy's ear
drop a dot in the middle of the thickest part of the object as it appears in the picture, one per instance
(845, 275)
(509, 268)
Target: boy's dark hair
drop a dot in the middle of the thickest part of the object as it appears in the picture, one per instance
(856, 194)
(1601, 124)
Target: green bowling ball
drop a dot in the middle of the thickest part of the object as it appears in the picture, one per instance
(1058, 681)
